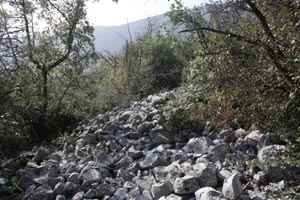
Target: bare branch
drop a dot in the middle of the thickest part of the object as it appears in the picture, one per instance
(30, 45)
(70, 38)
(227, 33)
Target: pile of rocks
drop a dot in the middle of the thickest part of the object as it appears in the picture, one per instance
(128, 153)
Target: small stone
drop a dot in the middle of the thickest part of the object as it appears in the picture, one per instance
(121, 194)
(74, 178)
(90, 194)
(260, 177)
(60, 197)
(105, 189)
(90, 138)
(208, 193)
(240, 133)
(171, 197)
(223, 174)
(78, 196)
(41, 153)
(146, 126)
(208, 129)
(135, 154)
(153, 160)
(254, 137)
(3, 181)
(124, 162)
(186, 185)
(90, 175)
(227, 135)
(60, 188)
(218, 152)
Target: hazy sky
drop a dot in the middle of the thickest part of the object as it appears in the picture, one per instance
(107, 13)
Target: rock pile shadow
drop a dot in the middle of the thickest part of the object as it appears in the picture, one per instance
(128, 153)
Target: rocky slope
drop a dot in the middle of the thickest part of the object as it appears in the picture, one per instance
(128, 153)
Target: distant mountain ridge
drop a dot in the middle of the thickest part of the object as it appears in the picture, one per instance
(112, 38)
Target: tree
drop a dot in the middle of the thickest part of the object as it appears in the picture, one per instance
(43, 42)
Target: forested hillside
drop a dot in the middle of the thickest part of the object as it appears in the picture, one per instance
(236, 61)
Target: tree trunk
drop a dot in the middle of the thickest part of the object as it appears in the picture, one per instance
(44, 117)
(45, 92)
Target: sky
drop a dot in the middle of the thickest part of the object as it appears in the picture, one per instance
(108, 13)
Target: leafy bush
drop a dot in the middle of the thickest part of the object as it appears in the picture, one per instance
(183, 120)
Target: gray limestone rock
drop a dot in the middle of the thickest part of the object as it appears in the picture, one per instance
(78, 196)
(169, 172)
(269, 139)
(171, 197)
(227, 135)
(121, 194)
(90, 194)
(218, 152)
(153, 160)
(124, 162)
(206, 173)
(74, 178)
(60, 189)
(161, 189)
(240, 133)
(41, 192)
(41, 153)
(60, 197)
(90, 175)
(197, 145)
(208, 193)
(208, 129)
(135, 154)
(232, 187)
(26, 179)
(104, 189)
(186, 185)
(254, 137)
(223, 174)
(146, 126)
(260, 177)
(90, 138)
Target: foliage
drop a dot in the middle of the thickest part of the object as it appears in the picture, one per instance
(183, 120)
(152, 63)
(247, 57)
